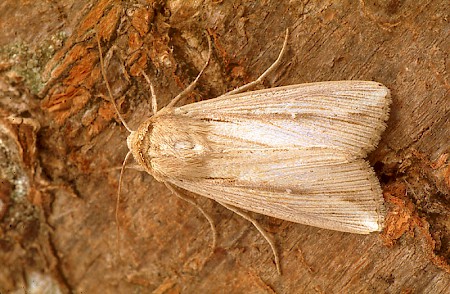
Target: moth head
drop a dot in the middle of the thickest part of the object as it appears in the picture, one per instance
(138, 143)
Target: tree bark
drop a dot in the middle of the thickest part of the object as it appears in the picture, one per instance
(62, 145)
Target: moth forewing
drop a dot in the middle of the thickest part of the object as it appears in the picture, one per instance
(347, 115)
(332, 192)
(295, 152)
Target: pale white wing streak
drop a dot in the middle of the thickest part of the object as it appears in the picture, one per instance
(296, 153)
(348, 115)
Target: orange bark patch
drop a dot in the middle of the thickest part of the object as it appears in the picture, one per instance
(134, 42)
(400, 218)
(141, 20)
(107, 25)
(139, 66)
(92, 18)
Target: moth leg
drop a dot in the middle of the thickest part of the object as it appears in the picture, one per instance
(194, 83)
(136, 167)
(205, 214)
(264, 74)
(259, 228)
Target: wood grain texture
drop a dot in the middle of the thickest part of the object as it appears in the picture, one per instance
(63, 232)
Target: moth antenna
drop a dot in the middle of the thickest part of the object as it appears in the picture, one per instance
(265, 73)
(102, 67)
(119, 189)
(260, 229)
(136, 167)
(205, 214)
(194, 83)
(152, 91)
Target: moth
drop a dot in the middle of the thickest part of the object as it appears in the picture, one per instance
(295, 152)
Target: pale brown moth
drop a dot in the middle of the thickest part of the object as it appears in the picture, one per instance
(294, 152)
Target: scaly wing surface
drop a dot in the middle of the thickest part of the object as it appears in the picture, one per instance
(347, 115)
(295, 153)
(313, 186)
